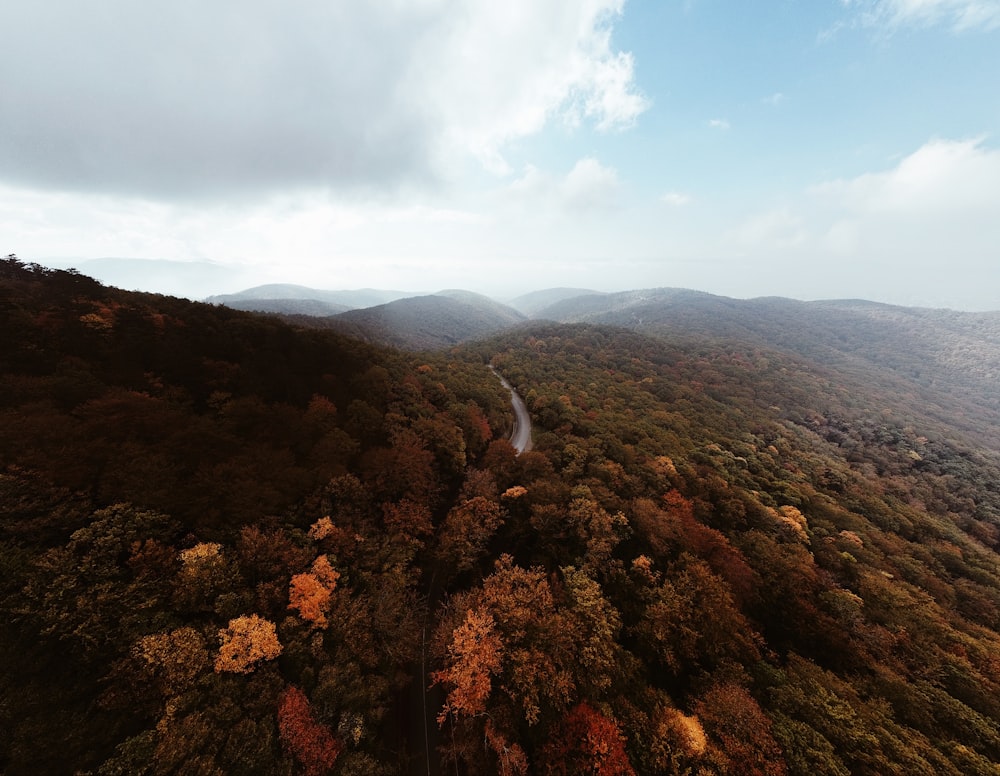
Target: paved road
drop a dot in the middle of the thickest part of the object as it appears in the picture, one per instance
(520, 437)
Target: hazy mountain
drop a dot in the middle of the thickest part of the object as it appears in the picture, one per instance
(313, 307)
(277, 293)
(622, 308)
(531, 303)
(943, 355)
(484, 303)
(426, 322)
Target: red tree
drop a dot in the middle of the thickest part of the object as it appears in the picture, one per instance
(743, 731)
(586, 742)
(311, 743)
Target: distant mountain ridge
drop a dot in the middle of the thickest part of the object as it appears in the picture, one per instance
(531, 303)
(962, 341)
(946, 356)
(274, 294)
(425, 322)
(311, 307)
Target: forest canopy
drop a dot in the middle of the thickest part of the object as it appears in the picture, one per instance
(230, 545)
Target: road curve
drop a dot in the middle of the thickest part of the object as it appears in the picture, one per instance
(520, 437)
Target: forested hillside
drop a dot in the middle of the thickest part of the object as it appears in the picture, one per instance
(231, 546)
(362, 297)
(422, 322)
(942, 358)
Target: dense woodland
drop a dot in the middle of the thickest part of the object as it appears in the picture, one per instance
(233, 546)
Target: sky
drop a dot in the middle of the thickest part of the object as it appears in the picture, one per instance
(813, 149)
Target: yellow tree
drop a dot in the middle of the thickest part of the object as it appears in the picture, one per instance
(246, 642)
(309, 593)
(474, 656)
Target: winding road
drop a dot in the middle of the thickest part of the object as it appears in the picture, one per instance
(520, 437)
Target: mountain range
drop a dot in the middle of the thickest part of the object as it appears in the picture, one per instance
(950, 359)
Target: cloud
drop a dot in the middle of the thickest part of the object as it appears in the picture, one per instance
(181, 99)
(588, 186)
(960, 15)
(774, 99)
(941, 179)
(922, 231)
(718, 124)
(773, 229)
(675, 199)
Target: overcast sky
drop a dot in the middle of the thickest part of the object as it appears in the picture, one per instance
(802, 148)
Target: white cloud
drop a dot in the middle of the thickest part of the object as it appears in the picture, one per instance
(774, 99)
(591, 185)
(507, 69)
(942, 179)
(182, 99)
(925, 231)
(960, 15)
(718, 124)
(773, 229)
(675, 199)
(588, 186)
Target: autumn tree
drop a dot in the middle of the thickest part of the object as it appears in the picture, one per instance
(309, 593)
(246, 642)
(466, 530)
(597, 531)
(500, 459)
(405, 470)
(511, 759)
(475, 656)
(538, 671)
(742, 731)
(408, 522)
(266, 557)
(593, 624)
(310, 742)
(310, 598)
(693, 622)
(676, 740)
(175, 658)
(86, 591)
(204, 573)
(586, 741)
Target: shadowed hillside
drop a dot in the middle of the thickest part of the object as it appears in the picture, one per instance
(425, 322)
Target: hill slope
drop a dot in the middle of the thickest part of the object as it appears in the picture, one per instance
(531, 303)
(941, 356)
(276, 294)
(425, 322)
(312, 307)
